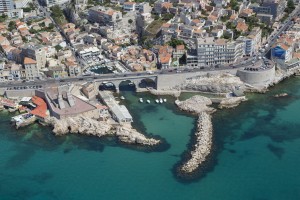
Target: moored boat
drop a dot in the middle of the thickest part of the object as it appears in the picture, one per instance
(141, 100)
(160, 100)
(148, 101)
(165, 100)
(156, 100)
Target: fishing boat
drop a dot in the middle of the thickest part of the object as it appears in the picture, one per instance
(148, 101)
(156, 100)
(165, 100)
(160, 100)
(141, 100)
(122, 97)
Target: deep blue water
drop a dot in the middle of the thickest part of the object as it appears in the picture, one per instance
(256, 155)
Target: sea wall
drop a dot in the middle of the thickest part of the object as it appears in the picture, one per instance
(174, 93)
(203, 144)
(257, 77)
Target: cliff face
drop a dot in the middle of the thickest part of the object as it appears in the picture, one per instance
(88, 126)
(221, 83)
(196, 104)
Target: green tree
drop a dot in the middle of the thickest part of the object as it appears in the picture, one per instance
(11, 25)
(130, 21)
(174, 42)
(290, 6)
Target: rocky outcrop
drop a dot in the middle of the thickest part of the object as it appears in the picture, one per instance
(81, 125)
(220, 83)
(87, 126)
(231, 102)
(131, 136)
(203, 144)
(196, 104)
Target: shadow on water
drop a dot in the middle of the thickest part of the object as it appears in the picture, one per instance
(277, 151)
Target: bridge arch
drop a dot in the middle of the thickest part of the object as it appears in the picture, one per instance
(128, 85)
(148, 82)
(107, 85)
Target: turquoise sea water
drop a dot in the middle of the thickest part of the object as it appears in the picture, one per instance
(256, 155)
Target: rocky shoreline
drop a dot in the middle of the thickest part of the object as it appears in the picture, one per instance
(203, 144)
(88, 126)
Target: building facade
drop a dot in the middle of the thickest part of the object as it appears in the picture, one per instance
(6, 5)
(31, 69)
(211, 52)
(103, 15)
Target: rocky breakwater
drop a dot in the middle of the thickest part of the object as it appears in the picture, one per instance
(87, 126)
(201, 149)
(196, 104)
(231, 102)
(203, 144)
(219, 83)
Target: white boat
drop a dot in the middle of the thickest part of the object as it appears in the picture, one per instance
(165, 100)
(148, 101)
(122, 97)
(141, 100)
(156, 100)
(131, 84)
(160, 100)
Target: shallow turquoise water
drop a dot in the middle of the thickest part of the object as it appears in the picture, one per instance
(257, 148)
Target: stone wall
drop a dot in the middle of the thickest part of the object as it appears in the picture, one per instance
(19, 93)
(257, 77)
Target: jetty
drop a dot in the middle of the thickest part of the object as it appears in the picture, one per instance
(203, 144)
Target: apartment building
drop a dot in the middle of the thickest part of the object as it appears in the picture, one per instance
(129, 6)
(31, 69)
(103, 15)
(252, 42)
(6, 5)
(144, 7)
(35, 52)
(50, 3)
(21, 3)
(211, 52)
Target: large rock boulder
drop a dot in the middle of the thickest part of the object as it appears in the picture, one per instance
(196, 104)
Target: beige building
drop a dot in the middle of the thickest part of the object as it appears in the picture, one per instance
(31, 69)
(35, 52)
(103, 15)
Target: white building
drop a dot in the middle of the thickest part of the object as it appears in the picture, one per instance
(129, 6)
(21, 3)
(211, 52)
(15, 13)
(50, 3)
(6, 5)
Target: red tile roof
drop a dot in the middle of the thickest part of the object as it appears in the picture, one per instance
(41, 108)
(29, 61)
